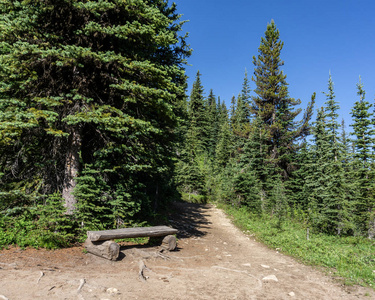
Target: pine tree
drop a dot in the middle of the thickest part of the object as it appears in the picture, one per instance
(330, 198)
(191, 169)
(241, 118)
(273, 105)
(213, 127)
(295, 186)
(363, 131)
(92, 84)
(224, 145)
(233, 108)
(197, 113)
(363, 128)
(331, 116)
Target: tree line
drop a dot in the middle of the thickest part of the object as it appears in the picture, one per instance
(97, 131)
(266, 154)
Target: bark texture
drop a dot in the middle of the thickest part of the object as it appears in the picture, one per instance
(107, 249)
(72, 166)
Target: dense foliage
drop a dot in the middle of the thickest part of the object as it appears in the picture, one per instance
(91, 93)
(96, 130)
(273, 162)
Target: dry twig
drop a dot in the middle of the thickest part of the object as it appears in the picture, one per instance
(40, 277)
(82, 282)
(142, 267)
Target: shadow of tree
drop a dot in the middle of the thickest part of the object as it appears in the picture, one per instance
(190, 219)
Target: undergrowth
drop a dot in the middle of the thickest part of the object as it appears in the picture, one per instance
(43, 225)
(350, 259)
(194, 198)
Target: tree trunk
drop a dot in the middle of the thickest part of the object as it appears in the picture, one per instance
(71, 169)
(371, 229)
(107, 249)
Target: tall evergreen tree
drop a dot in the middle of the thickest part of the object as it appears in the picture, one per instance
(213, 126)
(92, 85)
(332, 124)
(330, 196)
(273, 105)
(198, 117)
(233, 108)
(363, 131)
(241, 118)
(190, 172)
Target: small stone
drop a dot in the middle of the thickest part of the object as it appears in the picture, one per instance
(225, 243)
(265, 266)
(291, 294)
(247, 265)
(270, 278)
(112, 291)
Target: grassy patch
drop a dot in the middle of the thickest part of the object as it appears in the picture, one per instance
(194, 198)
(351, 259)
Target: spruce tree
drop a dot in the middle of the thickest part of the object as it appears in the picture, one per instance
(330, 197)
(362, 128)
(197, 113)
(363, 131)
(241, 118)
(273, 105)
(191, 167)
(213, 126)
(90, 85)
(331, 115)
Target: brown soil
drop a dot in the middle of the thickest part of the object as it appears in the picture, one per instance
(214, 260)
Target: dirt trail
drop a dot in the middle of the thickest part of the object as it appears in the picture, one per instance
(215, 260)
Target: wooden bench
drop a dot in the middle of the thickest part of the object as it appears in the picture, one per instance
(102, 242)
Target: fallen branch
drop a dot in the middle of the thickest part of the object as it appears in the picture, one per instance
(40, 277)
(82, 282)
(142, 267)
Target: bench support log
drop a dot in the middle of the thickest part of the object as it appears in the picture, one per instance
(169, 243)
(107, 249)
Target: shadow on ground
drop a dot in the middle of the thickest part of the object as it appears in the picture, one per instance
(190, 219)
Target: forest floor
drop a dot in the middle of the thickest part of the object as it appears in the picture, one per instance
(214, 260)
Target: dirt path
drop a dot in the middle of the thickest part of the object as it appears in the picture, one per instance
(215, 260)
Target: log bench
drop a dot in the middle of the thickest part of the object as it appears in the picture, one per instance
(101, 243)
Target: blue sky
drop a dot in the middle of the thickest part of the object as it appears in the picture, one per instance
(320, 36)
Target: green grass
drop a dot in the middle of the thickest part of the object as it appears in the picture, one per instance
(193, 198)
(350, 259)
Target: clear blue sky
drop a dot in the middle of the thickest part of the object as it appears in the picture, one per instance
(320, 36)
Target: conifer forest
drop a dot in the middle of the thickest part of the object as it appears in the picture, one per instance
(98, 129)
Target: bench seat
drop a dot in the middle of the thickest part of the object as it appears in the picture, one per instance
(156, 231)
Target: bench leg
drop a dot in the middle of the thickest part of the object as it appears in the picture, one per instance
(169, 243)
(106, 249)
